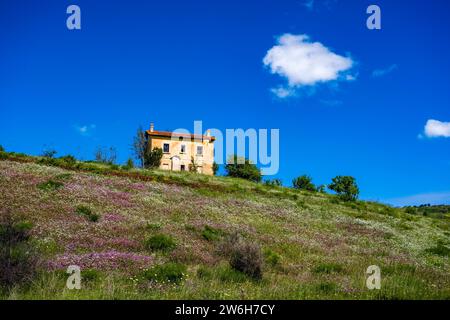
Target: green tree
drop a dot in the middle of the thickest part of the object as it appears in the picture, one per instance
(49, 153)
(215, 168)
(193, 166)
(243, 168)
(345, 187)
(304, 183)
(153, 158)
(140, 146)
(129, 165)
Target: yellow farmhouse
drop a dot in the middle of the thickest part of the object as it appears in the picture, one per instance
(179, 149)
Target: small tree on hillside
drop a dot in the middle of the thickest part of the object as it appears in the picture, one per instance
(49, 153)
(345, 187)
(304, 183)
(108, 156)
(152, 159)
(243, 168)
(193, 166)
(140, 146)
(129, 164)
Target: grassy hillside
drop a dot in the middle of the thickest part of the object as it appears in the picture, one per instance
(315, 246)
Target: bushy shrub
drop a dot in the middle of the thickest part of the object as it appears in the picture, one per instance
(87, 212)
(411, 210)
(153, 158)
(94, 217)
(246, 257)
(327, 287)
(50, 185)
(114, 167)
(328, 268)
(84, 210)
(272, 258)
(231, 275)
(303, 183)
(215, 168)
(243, 168)
(63, 176)
(273, 183)
(204, 272)
(68, 159)
(243, 256)
(19, 261)
(166, 273)
(160, 242)
(89, 275)
(2, 149)
(211, 234)
(225, 247)
(129, 165)
(12, 233)
(345, 187)
(440, 249)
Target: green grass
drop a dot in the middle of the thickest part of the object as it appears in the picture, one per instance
(272, 258)
(87, 212)
(315, 246)
(50, 185)
(440, 249)
(160, 242)
(328, 268)
(169, 273)
(211, 234)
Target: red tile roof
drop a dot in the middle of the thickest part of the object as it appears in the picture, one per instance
(169, 134)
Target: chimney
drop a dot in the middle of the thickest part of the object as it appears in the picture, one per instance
(152, 127)
(208, 133)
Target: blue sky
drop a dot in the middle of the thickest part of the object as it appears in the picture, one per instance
(363, 114)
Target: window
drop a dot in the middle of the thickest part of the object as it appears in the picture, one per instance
(199, 150)
(166, 147)
(183, 148)
(183, 167)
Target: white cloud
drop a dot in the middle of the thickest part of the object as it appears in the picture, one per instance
(85, 130)
(381, 72)
(306, 63)
(436, 128)
(282, 92)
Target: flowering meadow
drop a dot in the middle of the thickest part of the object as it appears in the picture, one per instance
(315, 246)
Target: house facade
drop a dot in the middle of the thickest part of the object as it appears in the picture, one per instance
(180, 149)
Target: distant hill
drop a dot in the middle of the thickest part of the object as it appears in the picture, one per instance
(131, 231)
(436, 211)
